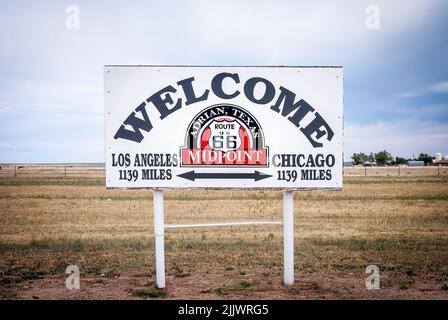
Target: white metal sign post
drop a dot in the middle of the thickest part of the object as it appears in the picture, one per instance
(288, 237)
(223, 127)
(159, 235)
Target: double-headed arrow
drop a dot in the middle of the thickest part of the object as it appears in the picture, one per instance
(191, 175)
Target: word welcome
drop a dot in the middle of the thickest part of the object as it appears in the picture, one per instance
(285, 104)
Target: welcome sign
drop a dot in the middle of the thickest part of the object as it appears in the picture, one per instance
(223, 127)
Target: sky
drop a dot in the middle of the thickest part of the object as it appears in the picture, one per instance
(394, 55)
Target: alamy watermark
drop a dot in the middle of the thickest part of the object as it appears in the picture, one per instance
(73, 280)
(373, 280)
(72, 19)
(372, 17)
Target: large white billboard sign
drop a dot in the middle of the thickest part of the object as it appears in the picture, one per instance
(223, 127)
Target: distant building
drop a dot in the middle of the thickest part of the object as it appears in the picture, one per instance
(441, 163)
(348, 164)
(370, 164)
(416, 163)
(438, 157)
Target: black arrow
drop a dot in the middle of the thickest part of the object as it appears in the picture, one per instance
(191, 175)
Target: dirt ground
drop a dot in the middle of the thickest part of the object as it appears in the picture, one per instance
(198, 287)
(399, 224)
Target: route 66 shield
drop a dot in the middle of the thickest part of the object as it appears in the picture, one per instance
(224, 135)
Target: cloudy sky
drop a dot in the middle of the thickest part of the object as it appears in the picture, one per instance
(51, 80)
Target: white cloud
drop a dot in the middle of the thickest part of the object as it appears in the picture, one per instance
(299, 31)
(45, 150)
(401, 138)
(66, 68)
(410, 94)
(438, 87)
(422, 112)
(44, 96)
(46, 67)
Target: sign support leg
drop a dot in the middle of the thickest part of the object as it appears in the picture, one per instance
(288, 237)
(159, 234)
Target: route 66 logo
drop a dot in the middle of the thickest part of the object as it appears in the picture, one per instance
(224, 135)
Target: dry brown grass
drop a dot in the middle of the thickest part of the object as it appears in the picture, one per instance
(98, 171)
(398, 223)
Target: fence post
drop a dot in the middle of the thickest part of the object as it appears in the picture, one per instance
(159, 233)
(15, 171)
(288, 237)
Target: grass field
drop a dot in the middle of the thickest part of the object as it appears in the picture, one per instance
(97, 170)
(399, 224)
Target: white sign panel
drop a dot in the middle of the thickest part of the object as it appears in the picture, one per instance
(223, 127)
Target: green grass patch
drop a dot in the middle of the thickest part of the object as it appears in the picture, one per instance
(7, 294)
(241, 286)
(148, 293)
(80, 245)
(179, 273)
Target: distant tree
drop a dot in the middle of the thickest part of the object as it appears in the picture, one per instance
(359, 158)
(371, 157)
(383, 158)
(399, 161)
(425, 157)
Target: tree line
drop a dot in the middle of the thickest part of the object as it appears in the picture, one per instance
(383, 158)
